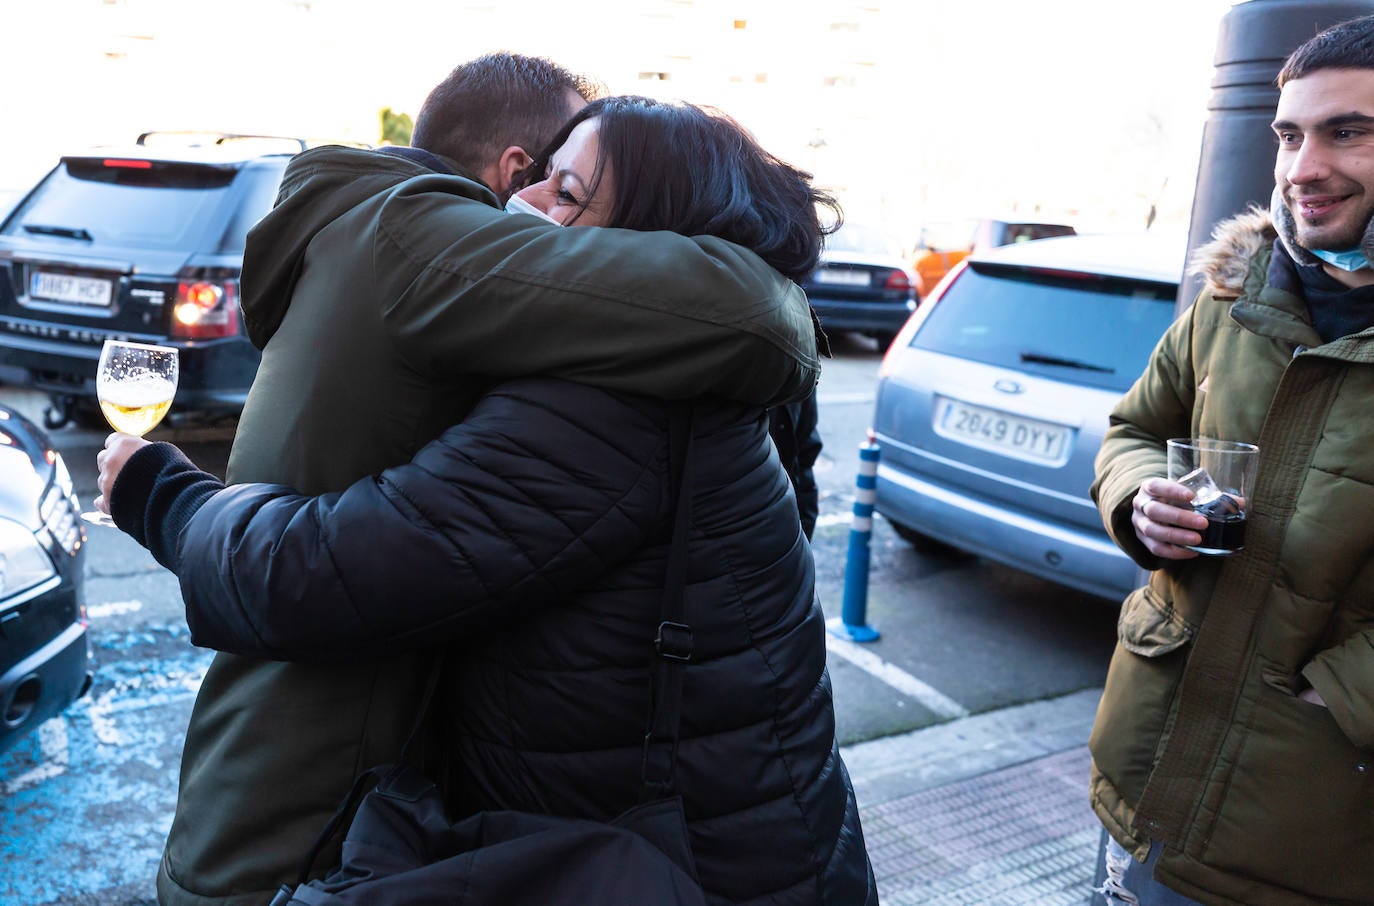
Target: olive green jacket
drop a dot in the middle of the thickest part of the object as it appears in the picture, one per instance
(385, 298)
(1201, 742)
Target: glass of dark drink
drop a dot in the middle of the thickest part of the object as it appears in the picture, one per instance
(1221, 475)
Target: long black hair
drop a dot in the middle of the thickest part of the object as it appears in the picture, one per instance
(680, 167)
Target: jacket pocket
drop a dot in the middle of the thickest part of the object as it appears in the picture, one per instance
(1138, 697)
(1149, 626)
(1298, 811)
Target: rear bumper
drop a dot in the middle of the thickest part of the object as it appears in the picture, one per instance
(887, 317)
(214, 374)
(44, 683)
(1084, 560)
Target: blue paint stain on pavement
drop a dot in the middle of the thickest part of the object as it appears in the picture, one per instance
(86, 801)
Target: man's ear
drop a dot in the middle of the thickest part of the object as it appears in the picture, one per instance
(507, 167)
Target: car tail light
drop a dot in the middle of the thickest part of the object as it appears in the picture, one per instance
(898, 281)
(206, 309)
(127, 164)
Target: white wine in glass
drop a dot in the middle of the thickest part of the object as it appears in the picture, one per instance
(135, 383)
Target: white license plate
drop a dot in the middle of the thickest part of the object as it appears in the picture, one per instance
(66, 288)
(1026, 438)
(842, 278)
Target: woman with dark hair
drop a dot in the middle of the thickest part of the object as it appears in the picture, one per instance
(530, 544)
(644, 164)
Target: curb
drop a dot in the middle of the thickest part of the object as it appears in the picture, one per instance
(894, 766)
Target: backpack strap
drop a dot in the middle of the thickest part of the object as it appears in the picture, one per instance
(673, 644)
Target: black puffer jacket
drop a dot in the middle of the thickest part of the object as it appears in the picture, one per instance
(533, 538)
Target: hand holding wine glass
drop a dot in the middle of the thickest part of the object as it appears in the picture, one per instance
(135, 383)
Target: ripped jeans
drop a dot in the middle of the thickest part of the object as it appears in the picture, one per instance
(1122, 881)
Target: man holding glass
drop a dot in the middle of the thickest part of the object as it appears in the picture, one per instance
(388, 291)
(1233, 752)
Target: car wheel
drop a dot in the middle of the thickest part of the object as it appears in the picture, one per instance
(884, 340)
(925, 544)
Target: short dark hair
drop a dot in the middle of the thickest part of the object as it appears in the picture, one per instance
(488, 104)
(1347, 45)
(695, 171)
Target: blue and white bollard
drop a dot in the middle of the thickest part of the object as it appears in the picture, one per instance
(854, 609)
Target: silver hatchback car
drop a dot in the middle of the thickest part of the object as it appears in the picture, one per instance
(993, 399)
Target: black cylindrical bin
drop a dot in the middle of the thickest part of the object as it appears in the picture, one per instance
(1236, 167)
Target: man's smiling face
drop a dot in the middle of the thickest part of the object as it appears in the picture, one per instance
(1325, 165)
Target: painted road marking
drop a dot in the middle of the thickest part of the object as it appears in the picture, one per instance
(847, 397)
(833, 519)
(130, 687)
(52, 740)
(113, 609)
(928, 696)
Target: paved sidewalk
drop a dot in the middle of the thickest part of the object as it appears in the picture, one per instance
(990, 809)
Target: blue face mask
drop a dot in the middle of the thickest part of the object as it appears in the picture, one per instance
(518, 205)
(1351, 260)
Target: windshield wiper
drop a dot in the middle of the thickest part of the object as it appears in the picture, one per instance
(1042, 359)
(67, 232)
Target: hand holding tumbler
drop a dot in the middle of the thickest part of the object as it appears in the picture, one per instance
(1221, 475)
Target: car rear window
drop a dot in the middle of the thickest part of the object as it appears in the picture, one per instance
(858, 237)
(1084, 329)
(140, 204)
(258, 187)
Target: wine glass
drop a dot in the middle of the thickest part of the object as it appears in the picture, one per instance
(135, 383)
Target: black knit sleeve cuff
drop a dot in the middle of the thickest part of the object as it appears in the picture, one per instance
(156, 494)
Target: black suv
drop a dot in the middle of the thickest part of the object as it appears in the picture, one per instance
(142, 243)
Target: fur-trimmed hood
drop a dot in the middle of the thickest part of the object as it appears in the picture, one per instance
(1224, 262)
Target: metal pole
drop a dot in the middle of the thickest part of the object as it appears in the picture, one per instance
(851, 625)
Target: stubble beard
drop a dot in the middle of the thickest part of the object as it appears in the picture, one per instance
(1331, 237)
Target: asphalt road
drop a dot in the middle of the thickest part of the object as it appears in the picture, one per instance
(86, 801)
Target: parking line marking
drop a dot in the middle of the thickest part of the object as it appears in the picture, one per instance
(843, 397)
(930, 698)
(826, 519)
(112, 609)
(52, 737)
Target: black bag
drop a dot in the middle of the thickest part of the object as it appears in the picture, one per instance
(401, 847)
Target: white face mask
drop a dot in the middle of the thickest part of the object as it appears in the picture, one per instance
(518, 205)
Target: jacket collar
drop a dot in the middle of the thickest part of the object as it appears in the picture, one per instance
(425, 159)
(1243, 263)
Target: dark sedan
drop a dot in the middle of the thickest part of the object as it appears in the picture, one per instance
(863, 284)
(45, 661)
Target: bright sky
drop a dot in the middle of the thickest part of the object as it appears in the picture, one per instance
(1075, 107)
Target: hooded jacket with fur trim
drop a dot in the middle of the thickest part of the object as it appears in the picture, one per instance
(1201, 742)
